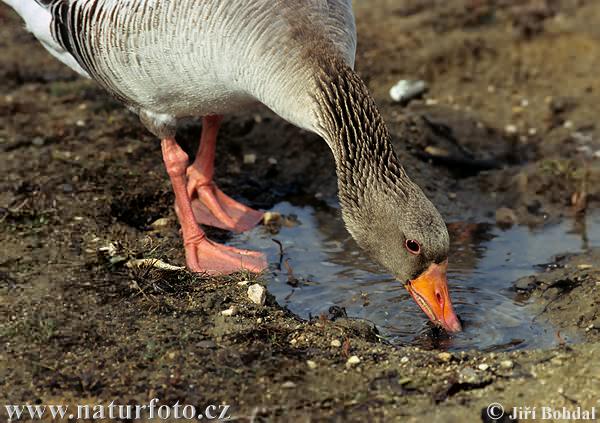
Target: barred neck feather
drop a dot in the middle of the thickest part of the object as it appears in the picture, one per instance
(358, 137)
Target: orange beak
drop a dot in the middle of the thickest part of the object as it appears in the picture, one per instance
(430, 292)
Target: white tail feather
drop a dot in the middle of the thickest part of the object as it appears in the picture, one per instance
(37, 21)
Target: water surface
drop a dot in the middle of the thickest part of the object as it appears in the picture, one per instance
(329, 269)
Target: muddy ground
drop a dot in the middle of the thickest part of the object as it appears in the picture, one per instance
(513, 100)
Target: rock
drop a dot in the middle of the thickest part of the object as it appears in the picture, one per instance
(336, 343)
(271, 217)
(505, 217)
(507, 364)
(404, 360)
(257, 294)
(483, 367)
(469, 375)
(160, 223)
(38, 141)
(526, 284)
(406, 89)
(249, 158)
(311, 364)
(288, 385)
(207, 343)
(444, 356)
(231, 311)
(352, 362)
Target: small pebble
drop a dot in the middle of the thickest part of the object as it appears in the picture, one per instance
(271, 217)
(243, 283)
(257, 294)
(160, 223)
(311, 364)
(507, 364)
(38, 141)
(352, 361)
(407, 89)
(483, 367)
(336, 343)
(249, 158)
(288, 385)
(511, 129)
(568, 124)
(404, 359)
(505, 217)
(231, 311)
(272, 161)
(445, 356)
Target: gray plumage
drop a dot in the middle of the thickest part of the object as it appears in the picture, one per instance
(168, 60)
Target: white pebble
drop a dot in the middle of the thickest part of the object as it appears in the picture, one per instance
(336, 343)
(483, 367)
(404, 360)
(288, 385)
(407, 89)
(257, 294)
(231, 311)
(507, 364)
(511, 129)
(249, 158)
(311, 364)
(352, 361)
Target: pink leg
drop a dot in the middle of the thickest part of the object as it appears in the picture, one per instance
(213, 207)
(201, 254)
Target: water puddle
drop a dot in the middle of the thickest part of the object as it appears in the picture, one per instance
(330, 270)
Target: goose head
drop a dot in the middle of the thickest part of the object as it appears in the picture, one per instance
(387, 214)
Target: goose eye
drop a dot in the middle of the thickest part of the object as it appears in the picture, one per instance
(413, 246)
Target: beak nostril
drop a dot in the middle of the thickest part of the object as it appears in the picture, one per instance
(439, 298)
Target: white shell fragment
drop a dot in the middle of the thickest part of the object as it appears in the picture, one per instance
(158, 264)
(407, 89)
(257, 294)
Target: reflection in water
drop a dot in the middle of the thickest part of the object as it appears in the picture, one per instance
(329, 269)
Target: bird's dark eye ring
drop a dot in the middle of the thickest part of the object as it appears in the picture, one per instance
(413, 246)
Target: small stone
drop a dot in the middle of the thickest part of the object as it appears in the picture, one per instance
(352, 362)
(80, 123)
(259, 320)
(171, 355)
(568, 124)
(231, 311)
(507, 364)
(483, 367)
(336, 343)
(505, 217)
(584, 266)
(271, 217)
(311, 364)
(249, 158)
(404, 360)
(207, 343)
(160, 223)
(510, 129)
(469, 375)
(243, 283)
(257, 294)
(444, 356)
(38, 141)
(406, 89)
(272, 161)
(288, 385)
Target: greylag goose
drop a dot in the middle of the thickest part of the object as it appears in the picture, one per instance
(167, 60)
